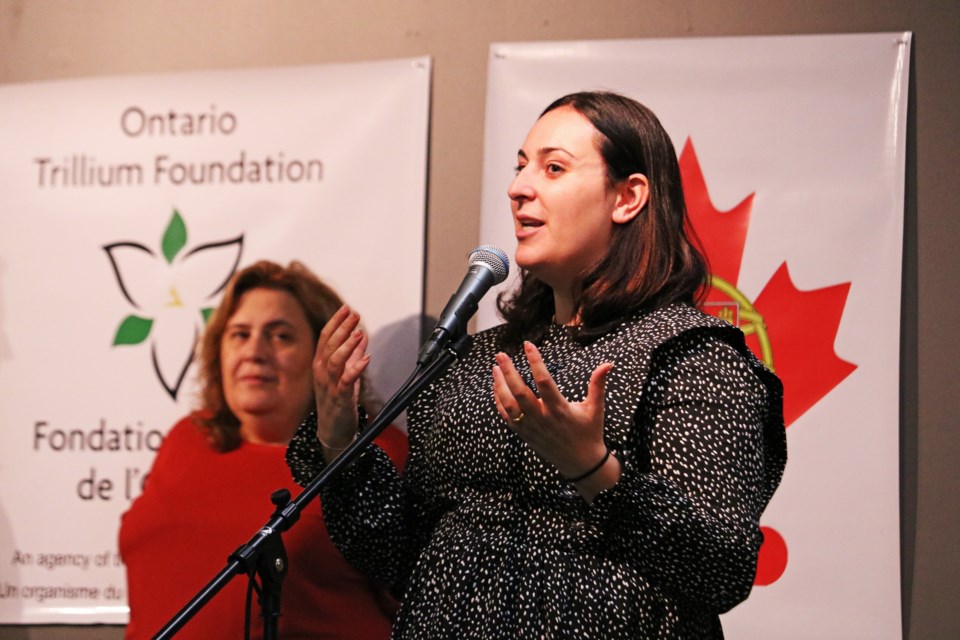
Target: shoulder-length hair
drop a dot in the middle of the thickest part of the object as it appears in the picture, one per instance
(653, 259)
(318, 301)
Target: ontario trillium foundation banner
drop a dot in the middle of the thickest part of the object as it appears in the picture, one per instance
(127, 203)
(792, 151)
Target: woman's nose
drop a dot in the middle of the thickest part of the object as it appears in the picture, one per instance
(256, 348)
(520, 189)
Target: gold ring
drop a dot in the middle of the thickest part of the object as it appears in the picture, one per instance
(518, 418)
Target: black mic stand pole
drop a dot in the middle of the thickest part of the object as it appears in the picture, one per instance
(264, 552)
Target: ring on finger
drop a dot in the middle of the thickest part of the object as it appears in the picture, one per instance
(518, 418)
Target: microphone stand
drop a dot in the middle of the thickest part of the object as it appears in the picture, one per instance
(264, 553)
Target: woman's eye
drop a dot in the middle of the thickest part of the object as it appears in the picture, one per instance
(281, 336)
(519, 168)
(554, 168)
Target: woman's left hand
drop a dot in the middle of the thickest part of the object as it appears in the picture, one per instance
(568, 435)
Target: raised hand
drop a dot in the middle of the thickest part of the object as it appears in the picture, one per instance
(339, 361)
(568, 435)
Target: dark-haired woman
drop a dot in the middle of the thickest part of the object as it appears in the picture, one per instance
(209, 488)
(597, 466)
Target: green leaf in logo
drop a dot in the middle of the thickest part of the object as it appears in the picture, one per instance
(133, 330)
(175, 237)
(207, 312)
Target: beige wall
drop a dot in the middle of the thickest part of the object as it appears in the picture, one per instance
(52, 39)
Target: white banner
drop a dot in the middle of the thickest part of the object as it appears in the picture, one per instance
(126, 204)
(792, 151)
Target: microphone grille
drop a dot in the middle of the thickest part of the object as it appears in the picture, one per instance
(493, 258)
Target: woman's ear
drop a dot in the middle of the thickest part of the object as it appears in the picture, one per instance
(632, 196)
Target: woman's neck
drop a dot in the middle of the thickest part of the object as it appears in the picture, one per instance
(257, 430)
(564, 311)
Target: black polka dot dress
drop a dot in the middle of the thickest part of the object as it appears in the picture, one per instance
(483, 539)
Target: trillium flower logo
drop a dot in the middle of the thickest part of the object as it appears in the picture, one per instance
(171, 296)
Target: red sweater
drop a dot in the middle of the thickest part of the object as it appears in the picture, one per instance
(198, 506)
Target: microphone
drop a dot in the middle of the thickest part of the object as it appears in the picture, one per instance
(488, 266)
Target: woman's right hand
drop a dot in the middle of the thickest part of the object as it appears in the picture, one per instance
(340, 359)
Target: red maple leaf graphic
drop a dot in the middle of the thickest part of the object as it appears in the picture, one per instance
(792, 331)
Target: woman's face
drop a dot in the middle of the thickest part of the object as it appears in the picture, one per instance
(265, 357)
(560, 200)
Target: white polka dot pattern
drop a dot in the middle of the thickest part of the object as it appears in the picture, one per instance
(483, 539)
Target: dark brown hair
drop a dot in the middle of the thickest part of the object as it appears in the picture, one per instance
(318, 301)
(653, 259)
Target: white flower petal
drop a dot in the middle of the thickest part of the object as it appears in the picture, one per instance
(202, 272)
(172, 343)
(144, 278)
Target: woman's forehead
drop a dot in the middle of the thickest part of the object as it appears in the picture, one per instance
(563, 129)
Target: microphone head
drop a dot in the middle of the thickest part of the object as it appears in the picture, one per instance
(492, 258)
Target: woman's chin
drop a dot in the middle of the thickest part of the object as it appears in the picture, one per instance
(256, 407)
(526, 259)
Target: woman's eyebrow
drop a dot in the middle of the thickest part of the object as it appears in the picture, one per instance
(542, 151)
(272, 324)
(280, 322)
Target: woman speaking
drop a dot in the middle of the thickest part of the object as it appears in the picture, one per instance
(595, 467)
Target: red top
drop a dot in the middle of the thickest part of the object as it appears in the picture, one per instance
(199, 506)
